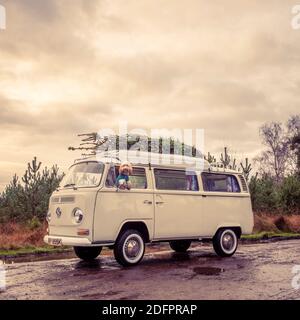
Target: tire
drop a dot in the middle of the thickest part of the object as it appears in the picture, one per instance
(87, 253)
(225, 242)
(180, 245)
(129, 248)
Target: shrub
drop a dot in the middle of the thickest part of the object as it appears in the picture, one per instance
(289, 193)
(28, 201)
(264, 193)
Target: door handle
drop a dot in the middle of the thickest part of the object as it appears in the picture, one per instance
(204, 196)
(147, 202)
(159, 202)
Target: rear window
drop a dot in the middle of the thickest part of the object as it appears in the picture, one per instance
(166, 179)
(220, 182)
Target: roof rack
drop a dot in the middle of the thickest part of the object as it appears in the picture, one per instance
(219, 166)
(151, 158)
(94, 144)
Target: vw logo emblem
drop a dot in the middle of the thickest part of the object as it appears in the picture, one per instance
(58, 212)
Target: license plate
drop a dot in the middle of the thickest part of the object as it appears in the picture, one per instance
(55, 241)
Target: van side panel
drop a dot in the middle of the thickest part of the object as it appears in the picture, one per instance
(224, 210)
(114, 208)
(177, 214)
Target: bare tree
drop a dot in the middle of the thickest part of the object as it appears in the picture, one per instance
(293, 126)
(273, 161)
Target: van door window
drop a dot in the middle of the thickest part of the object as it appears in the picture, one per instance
(166, 179)
(111, 178)
(220, 182)
(138, 178)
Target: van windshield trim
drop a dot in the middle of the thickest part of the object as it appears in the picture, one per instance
(68, 182)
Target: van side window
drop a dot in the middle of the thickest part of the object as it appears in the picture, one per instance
(166, 179)
(220, 182)
(111, 178)
(138, 178)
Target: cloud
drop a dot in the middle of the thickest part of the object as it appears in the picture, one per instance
(77, 66)
(39, 10)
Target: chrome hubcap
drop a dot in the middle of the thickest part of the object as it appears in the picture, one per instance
(132, 248)
(228, 241)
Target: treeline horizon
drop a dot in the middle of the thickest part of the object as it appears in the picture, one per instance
(274, 187)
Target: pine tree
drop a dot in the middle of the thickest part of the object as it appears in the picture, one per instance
(225, 159)
(246, 168)
(29, 199)
(12, 200)
(32, 182)
(210, 158)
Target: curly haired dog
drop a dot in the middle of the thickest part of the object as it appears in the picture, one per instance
(125, 171)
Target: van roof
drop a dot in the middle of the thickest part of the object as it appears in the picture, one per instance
(157, 160)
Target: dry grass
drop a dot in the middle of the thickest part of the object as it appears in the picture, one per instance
(277, 223)
(14, 236)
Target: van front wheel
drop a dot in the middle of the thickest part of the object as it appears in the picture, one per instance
(87, 253)
(225, 242)
(180, 245)
(129, 248)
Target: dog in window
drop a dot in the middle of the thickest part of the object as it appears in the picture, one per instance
(123, 181)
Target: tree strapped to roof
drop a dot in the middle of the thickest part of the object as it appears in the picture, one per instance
(95, 144)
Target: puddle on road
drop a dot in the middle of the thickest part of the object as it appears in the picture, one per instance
(84, 265)
(179, 259)
(152, 250)
(197, 262)
(208, 271)
(95, 265)
(97, 295)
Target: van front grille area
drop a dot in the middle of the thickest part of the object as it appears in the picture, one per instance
(55, 200)
(64, 199)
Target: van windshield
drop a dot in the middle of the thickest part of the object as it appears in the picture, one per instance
(84, 174)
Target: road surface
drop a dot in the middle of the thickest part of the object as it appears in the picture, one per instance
(256, 271)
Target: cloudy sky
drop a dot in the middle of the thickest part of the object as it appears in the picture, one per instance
(71, 66)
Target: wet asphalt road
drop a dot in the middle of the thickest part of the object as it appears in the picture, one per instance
(256, 271)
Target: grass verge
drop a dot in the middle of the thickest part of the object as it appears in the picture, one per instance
(265, 235)
(17, 240)
(256, 237)
(32, 251)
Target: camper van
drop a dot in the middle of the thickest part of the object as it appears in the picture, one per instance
(164, 204)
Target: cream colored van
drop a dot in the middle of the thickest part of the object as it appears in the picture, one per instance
(165, 204)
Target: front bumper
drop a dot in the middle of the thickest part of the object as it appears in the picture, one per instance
(59, 241)
(67, 241)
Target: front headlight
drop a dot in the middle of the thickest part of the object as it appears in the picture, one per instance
(48, 216)
(77, 215)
